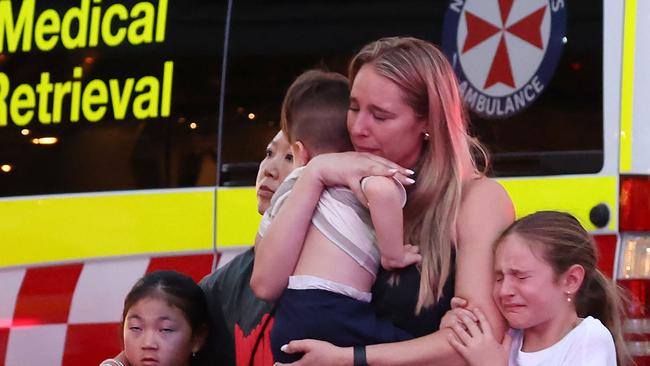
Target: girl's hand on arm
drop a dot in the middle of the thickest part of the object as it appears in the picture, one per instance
(458, 302)
(455, 314)
(477, 344)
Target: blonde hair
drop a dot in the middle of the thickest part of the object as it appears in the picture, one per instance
(564, 242)
(430, 87)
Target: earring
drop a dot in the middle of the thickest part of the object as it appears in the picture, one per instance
(193, 354)
(568, 296)
(426, 136)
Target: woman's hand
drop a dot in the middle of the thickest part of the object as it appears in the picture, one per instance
(348, 168)
(476, 343)
(317, 353)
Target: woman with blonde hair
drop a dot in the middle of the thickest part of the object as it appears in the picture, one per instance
(406, 118)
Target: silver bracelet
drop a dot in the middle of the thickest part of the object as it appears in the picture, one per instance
(111, 362)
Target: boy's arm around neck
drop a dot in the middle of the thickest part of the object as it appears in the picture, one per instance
(277, 252)
(385, 199)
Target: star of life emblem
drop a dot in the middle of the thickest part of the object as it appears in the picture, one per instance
(504, 52)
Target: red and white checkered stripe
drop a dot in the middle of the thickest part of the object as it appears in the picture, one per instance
(69, 314)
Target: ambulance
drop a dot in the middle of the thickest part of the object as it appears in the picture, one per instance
(131, 131)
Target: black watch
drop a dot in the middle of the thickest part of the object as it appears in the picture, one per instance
(360, 356)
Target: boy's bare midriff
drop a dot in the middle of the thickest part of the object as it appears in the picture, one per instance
(322, 258)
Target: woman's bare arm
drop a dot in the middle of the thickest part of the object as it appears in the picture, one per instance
(432, 349)
(486, 211)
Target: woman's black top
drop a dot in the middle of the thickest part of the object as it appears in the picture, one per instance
(397, 303)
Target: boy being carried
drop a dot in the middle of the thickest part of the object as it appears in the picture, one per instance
(328, 296)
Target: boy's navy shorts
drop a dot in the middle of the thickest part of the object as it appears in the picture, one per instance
(328, 316)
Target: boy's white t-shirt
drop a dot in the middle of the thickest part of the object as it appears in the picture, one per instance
(340, 217)
(588, 344)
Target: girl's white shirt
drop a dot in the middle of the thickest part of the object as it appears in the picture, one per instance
(588, 344)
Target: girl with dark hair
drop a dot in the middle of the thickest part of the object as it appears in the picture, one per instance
(240, 323)
(164, 322)
(562, 309)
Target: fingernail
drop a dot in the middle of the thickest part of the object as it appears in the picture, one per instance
(392, 171)
(284, 348)
(409, 172)
(409, 181)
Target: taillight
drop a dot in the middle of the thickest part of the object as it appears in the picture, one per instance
(606, 253)
(634, 275)
(634, 263)
(635, 204)
(635, 256)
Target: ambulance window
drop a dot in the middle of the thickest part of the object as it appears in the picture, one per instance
(272, 42)
(559, 132)
(133, 105)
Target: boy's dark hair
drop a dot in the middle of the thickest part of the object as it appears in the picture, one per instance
(314, 111)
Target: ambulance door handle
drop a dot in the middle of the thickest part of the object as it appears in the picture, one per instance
(599, 215)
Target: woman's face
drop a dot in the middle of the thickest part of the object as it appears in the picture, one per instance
(380, 121)
(277, 164)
